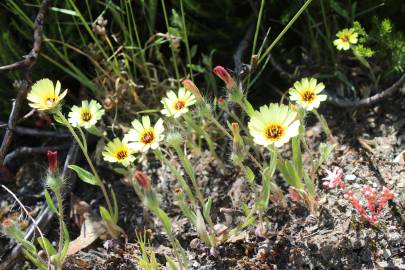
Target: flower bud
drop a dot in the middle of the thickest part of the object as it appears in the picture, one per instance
(190, 86)
(174, 139)
(53, 180)
(53, 162)
(9, 228)
(224, 75)
(143, 180)
(235, 132)
(221, 101)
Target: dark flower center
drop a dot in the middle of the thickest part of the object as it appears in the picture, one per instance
(179, 105)
(274, 132)
(86, 116)
(345, 38)
(122, 154)
(50, 101)
(308, 96)
(148, 137)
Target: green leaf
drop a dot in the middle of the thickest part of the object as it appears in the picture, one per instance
(297, 155)
(84, 175)
(248, 222)
(186, 209)
(66, 243)
(115, 206)
(121, 171)
(309, 184)
(207, 208)
(105, 215)
(290, 174)
(250, 174)
(170, 263)
(49, 202)
(46, 245)
(246, 209)
(249, 108)
(95, 131)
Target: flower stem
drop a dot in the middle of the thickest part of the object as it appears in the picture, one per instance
(61, 233)
(83, 147)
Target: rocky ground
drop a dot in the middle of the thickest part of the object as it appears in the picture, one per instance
(370, 141)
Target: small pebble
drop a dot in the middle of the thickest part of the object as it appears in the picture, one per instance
(350, 177)
(387, 253)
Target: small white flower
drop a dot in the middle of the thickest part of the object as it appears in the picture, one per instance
(273, 124)
(119, 151)
(143, 136)
(175, 105)
(307, 93)
(87, 115)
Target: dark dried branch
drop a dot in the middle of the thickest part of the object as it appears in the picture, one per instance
(41, 133)
(240, 51)
(370, 100)
(24, 131)
(45, 215)
(26, 84)
(32, 151)
(16, 65)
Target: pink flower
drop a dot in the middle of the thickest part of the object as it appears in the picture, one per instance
(370, 195)
(386, 196)
(222, 73)
(334, 179)
(293, 194)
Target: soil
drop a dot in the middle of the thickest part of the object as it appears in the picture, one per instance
(335, 237)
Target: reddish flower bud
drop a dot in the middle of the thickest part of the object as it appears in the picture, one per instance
(225, 76)
(142, 180)
(53, 161)
(293, 194)
(221, 101)
(190, 86)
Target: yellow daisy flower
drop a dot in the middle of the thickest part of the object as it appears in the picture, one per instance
(44, 95)
(143, 136)
(175, 105)
(87, 115)
(118, 151)
(345, 38)
(273, 124)
(306, 93)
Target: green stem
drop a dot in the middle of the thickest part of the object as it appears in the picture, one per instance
(176, 69)
(88, 159)
(325, 126)
(186, 39)
(286, 28)
(179, 177)
(61, 232)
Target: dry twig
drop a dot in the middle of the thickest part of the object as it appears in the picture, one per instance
(27, 63)
(33, 150)
(370, 100)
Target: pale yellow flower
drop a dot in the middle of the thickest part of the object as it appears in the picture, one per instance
(44, 95)
(307, 93)
(346, 37)
(175, 105)
(273, 124)
(143, 136)
(87, 115)
(119, 152)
